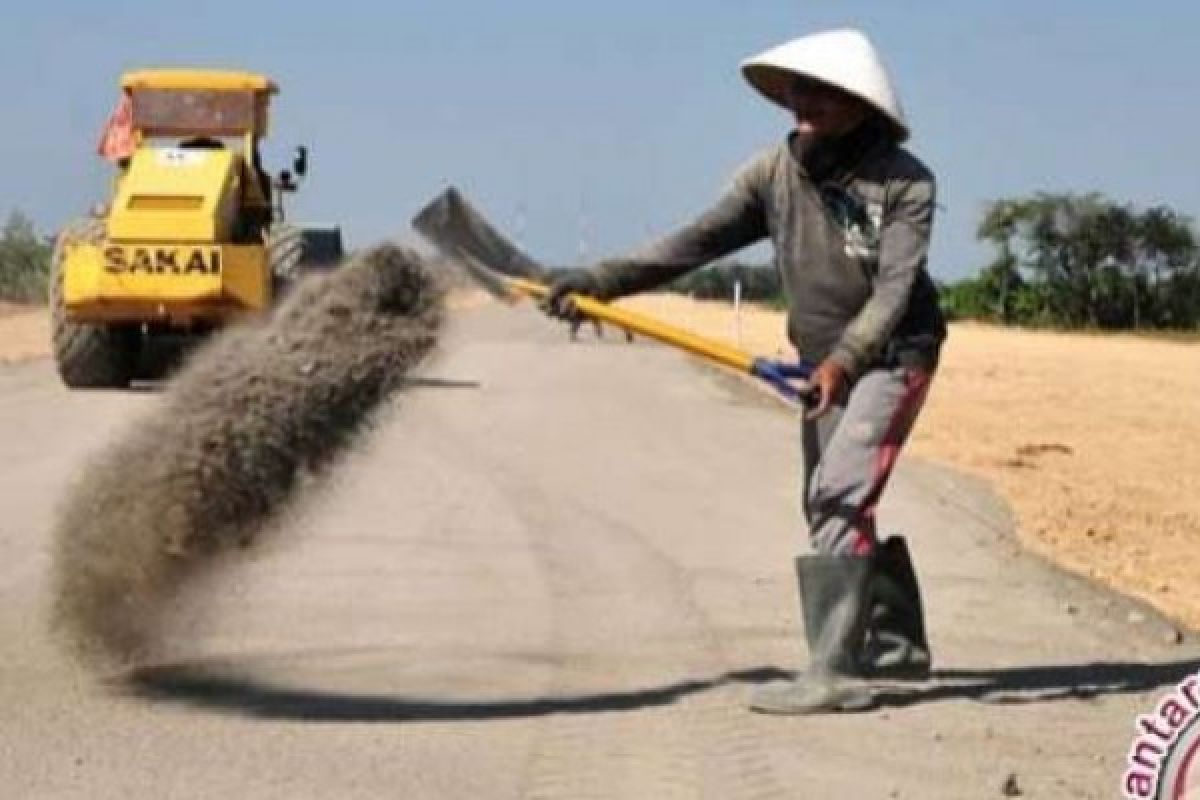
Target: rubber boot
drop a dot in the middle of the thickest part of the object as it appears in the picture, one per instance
(833, 596)
(896, 647)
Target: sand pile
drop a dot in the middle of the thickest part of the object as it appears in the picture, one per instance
(247, 421)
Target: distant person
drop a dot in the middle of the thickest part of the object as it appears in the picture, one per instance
(849, 212)
(577, 322)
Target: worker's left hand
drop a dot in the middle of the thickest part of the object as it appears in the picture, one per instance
(828, 384)
(558, 302)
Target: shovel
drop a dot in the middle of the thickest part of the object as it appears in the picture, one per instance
(464, 235)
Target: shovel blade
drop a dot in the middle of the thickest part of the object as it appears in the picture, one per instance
(458, 229)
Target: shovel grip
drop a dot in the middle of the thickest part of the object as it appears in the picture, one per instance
(647, 326)
(781, 374)
(778, 374)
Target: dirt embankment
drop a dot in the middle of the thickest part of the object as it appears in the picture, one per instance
(1090, 438)
(24, 332)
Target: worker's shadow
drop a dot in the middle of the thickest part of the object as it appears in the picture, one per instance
(1039, 684)
(158, 385)
(224, 690)
(439, 383)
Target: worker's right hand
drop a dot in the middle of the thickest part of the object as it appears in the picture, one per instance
(828, 385)
(558, 301)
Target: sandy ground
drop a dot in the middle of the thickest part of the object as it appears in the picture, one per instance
(24, 333)
(1087, 437)
(555, 570)
(1090, 438)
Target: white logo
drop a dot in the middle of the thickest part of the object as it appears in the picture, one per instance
(860, 222)
(178, 157)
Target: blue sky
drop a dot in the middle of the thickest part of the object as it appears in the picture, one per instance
(586, 128)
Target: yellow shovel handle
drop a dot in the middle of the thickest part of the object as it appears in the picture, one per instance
(647, 326)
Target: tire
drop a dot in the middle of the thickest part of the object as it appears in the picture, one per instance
(88, 356)
(285, 253)
(164, 352)
(294, 253)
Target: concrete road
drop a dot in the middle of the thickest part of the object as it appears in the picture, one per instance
(556, 570)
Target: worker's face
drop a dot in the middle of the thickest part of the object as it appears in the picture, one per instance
(822, 111)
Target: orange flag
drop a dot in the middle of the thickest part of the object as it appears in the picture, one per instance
(116, 141)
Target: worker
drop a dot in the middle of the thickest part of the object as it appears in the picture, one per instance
(577, 323)
(848, 211)
(597, 328)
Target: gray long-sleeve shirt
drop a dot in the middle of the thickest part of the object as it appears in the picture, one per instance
(851, 254)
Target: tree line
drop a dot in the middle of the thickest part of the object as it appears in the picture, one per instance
(1060, 260)
(24, 261)
(1083, 261)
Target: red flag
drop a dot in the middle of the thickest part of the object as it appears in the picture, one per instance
(116, 141)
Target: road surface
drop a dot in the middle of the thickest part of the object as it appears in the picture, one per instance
(555, 571)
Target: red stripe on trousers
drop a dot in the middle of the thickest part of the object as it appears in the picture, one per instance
(916, 386)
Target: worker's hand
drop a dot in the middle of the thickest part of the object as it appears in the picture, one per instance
(558, 302)
(828, 384)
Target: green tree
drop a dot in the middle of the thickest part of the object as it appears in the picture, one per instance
(1081, 260)
(1000, 280)
(760, 284)
(1166, 252)
(24, 260)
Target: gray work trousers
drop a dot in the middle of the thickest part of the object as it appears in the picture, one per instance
(848, 455)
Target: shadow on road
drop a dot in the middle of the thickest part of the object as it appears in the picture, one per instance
(1040, 684)
(157, 386)
(223, 689)
(440, 383)
(202, 686)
